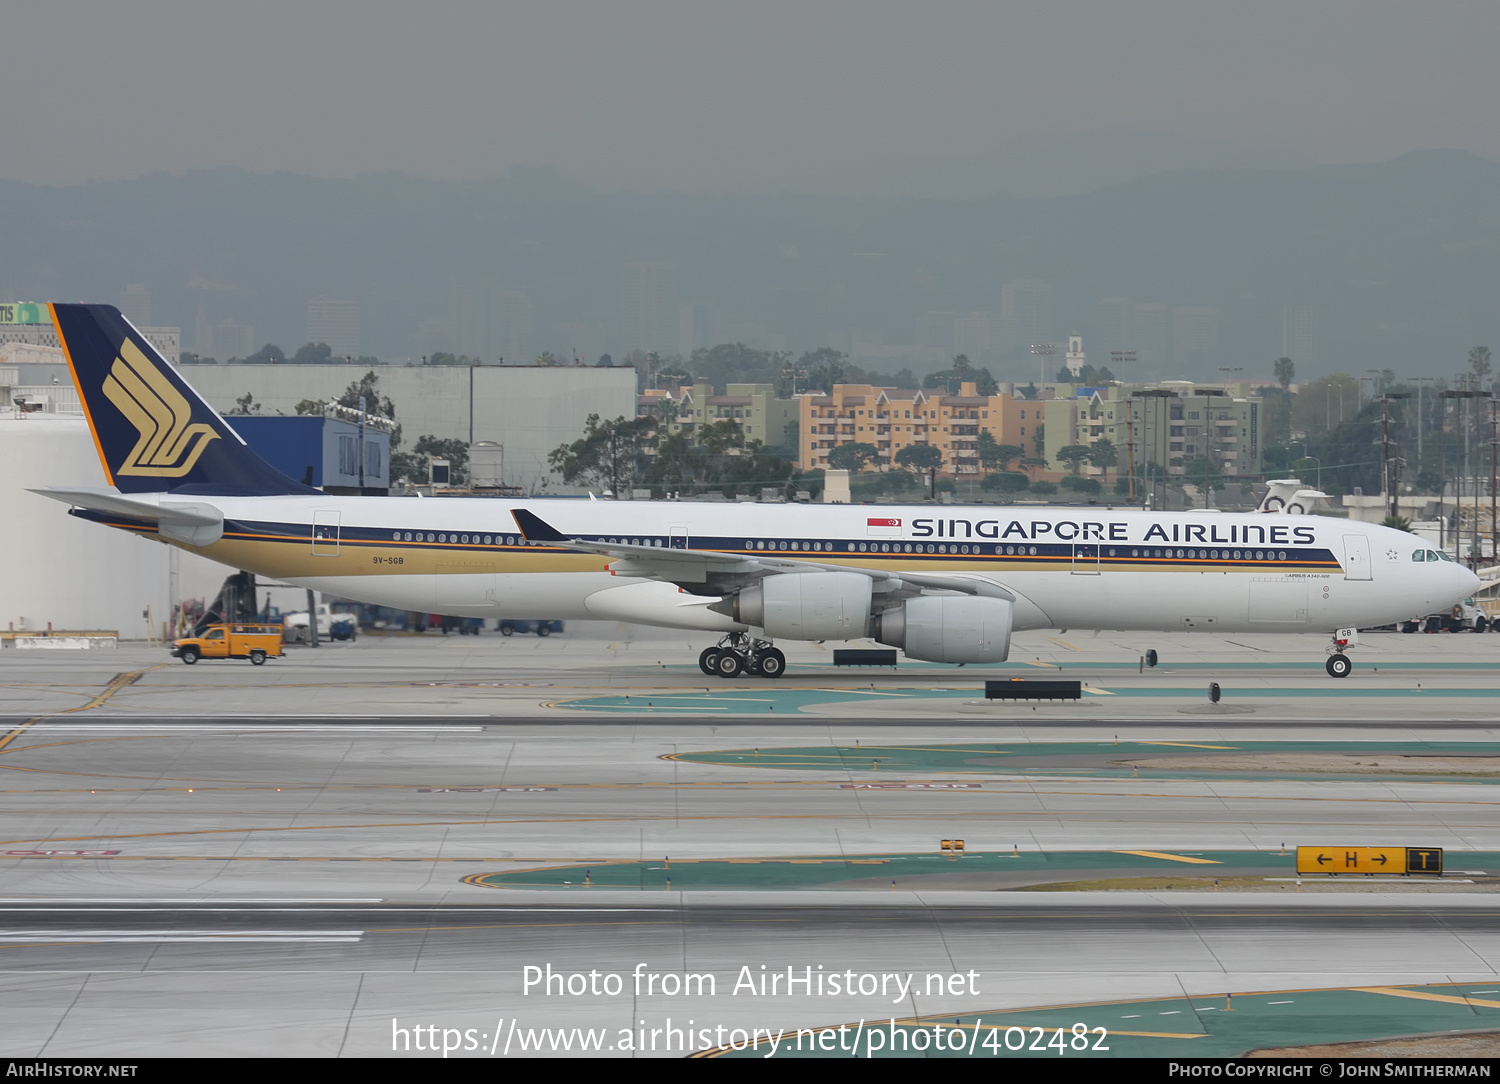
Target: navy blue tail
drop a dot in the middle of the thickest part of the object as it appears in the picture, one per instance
(154, 432)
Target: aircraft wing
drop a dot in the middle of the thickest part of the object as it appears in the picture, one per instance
(725, 571)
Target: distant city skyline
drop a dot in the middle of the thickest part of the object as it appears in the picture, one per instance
(1183, 273)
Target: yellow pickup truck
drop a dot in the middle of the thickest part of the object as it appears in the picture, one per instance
(254, 642)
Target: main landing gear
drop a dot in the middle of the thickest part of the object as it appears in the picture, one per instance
(738, 654)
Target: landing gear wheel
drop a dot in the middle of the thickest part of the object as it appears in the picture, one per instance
(257, 658)
(708, 661)
(772, 664)
(728, 665)
(1151, 656)
(1339, 666)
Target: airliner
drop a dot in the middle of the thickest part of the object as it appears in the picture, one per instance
(944, 583)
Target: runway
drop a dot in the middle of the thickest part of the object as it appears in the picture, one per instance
(203, 860)
(308, 978)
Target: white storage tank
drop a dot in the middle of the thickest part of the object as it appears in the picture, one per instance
(60, 569)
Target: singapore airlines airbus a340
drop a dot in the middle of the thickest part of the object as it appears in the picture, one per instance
(943, 583)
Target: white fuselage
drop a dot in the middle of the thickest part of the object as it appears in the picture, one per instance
(1093, 568)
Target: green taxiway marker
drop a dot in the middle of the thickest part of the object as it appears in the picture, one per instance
(909, 870)
(1212, 1026)
(756, 700)
(1107, 760)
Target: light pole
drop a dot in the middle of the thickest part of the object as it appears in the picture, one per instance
(1419, 381)
(1147, 394)
(1314, 458)
(1043, 351)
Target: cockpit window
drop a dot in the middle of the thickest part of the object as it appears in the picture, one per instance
(1419, 555)
(1440, 555)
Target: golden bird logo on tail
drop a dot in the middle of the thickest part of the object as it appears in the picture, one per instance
(169, 446)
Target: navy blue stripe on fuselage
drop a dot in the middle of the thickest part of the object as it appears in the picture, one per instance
(933, 554)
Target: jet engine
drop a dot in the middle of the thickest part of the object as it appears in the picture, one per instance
(805, 605)
(948, 628)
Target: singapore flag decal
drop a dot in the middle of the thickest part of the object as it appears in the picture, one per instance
(883, 528)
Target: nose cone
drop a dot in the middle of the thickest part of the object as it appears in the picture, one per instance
(1470, 582)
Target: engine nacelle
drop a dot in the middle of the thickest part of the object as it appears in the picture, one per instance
(807, 605)
(948, 628)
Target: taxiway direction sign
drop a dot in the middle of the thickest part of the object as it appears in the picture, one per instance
(1369, 860)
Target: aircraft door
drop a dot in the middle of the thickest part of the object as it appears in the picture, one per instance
(1356, 557)
(325, 534)
(1085, 558)
(679, 538)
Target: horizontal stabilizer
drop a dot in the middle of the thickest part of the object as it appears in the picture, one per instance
(194, 524)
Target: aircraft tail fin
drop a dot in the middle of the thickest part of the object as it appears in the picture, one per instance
(154, 433)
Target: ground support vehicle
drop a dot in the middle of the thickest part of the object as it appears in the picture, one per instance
(508, 627)
(1465, 616)
(239, 641)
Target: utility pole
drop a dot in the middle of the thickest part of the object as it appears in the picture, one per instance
(1387, 483)
(361, 445)
(1465, 395)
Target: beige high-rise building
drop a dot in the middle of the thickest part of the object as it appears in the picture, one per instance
(891, 419)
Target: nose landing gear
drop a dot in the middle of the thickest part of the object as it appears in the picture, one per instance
(1338, 664)
(739, 653)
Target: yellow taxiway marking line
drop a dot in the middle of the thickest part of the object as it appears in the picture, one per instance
(116, 683)
(1174, 857)
(1064, 643)
(1422, 995)
(1189, 745)
(919, 749)
(1098, 692)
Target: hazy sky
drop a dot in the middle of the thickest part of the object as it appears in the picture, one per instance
(713, 97)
